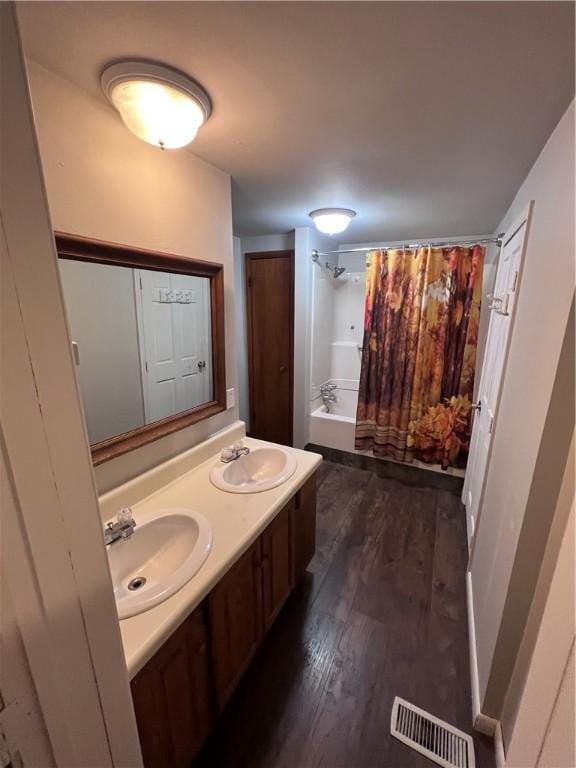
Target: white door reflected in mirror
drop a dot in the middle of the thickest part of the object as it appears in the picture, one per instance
(144, 343)
(173, 322)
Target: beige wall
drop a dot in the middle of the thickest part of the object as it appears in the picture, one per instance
(105, 183)
(558, 749)
(534, 423)
(543, 730)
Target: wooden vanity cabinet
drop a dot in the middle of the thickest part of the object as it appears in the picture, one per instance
(246, 601)
(173, 698)
(277, 572)
(191, 678)
(303, 528)
(235, 608)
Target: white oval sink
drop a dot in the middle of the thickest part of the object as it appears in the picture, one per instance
(164, 552)
(259, 470)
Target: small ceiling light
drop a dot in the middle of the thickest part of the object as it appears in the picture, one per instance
(332, 221)
(158, 104)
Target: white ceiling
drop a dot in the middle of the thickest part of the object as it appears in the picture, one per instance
(423, 116)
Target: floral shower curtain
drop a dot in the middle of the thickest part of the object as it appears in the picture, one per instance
(419, 353)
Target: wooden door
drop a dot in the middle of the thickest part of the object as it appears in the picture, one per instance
(499, 330)
(173, 698)
(235, 606)
(270, 313)
(276, 565)
(303, 528)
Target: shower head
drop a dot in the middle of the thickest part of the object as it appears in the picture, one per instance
(336, 271)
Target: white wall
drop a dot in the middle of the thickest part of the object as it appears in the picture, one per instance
(109, 370)
(260, 243)
(348, 330)
(240, 334)
(308, 239)
(534, 423)
(105, 183)
(304, 243)
(321, 328)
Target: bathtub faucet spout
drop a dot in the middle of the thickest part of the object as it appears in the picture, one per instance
(327, 394)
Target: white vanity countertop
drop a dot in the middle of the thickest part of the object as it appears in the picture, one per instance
(237, 520)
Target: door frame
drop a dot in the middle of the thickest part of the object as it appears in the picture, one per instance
(55, 564)
(248, 259)
(524, 219)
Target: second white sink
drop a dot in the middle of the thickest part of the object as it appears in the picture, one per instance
(259, 470)
(164, 552)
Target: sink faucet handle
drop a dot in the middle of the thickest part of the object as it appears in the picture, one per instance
(239, 449)
(125, 516)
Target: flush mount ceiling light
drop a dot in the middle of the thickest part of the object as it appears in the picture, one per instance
(332, 221)
(160, 105)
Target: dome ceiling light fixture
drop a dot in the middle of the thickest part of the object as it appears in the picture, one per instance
(160, 105)
(332, 221)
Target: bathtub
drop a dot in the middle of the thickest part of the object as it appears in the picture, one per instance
(336, 429)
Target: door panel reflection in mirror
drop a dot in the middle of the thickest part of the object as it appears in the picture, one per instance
(144, 340)
(175, 341)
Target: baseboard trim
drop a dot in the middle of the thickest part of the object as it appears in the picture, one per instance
(408, 474)
(481, 723)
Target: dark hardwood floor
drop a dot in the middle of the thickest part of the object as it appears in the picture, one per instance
(382, 613)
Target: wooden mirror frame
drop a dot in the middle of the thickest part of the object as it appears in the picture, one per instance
(79, 248)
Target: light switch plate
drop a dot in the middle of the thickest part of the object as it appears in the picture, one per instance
(230, 397)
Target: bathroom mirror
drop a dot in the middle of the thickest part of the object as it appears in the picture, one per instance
(147, 334)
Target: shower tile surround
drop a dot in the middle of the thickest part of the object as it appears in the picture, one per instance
(337, 336)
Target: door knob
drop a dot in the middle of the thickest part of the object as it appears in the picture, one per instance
(283, 368)
(477, 406)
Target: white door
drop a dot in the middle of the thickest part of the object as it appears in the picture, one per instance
(175, 342)
(501, 307)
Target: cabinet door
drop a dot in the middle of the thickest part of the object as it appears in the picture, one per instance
(303, 528)
(235, 606)
(276, 565)
(173, 697)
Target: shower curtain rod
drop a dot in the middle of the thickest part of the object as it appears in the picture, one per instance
(484, 241)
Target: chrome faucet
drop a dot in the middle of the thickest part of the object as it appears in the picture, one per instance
(327, 394)
(231, 454)
(122, 528)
